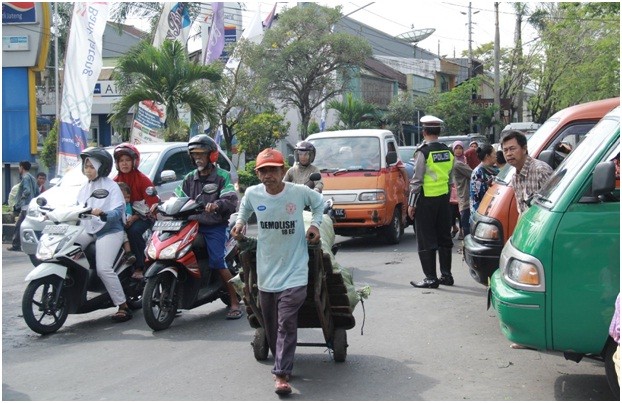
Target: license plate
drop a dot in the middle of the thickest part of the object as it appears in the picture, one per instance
(171, 225)
(55, 229)
(339, 213)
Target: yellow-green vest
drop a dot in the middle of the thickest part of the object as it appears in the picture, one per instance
(439, 163)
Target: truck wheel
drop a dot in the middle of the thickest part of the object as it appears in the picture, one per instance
(394, 231)
(610, 370)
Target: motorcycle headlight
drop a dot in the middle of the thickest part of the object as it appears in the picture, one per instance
(45, 252)
(486, 231)
(151, 251)
(372, 197)
(170, 252)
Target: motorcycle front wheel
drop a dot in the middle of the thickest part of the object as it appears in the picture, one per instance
(42, 313)
(160, 301)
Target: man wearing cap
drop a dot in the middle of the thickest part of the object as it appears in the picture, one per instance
(282, 254)
(428, 204)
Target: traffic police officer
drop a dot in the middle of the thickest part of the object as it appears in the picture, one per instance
(428, 204)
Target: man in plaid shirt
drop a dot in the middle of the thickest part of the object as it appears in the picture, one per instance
(530, 174)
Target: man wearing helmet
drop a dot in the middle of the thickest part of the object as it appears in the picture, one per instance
(304, 154)
(127, 160)
(219, 206)
(96, 166)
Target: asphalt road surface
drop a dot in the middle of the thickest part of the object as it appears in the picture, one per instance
(408, 344)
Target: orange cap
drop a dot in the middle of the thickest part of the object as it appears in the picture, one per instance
(269, 158)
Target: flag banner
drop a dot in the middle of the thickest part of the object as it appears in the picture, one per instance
(174, 24)
(148, 123)
(216, 40)
(254, 32)
(267, 23)
(82, 67)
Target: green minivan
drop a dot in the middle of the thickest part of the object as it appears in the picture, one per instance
(559, 273)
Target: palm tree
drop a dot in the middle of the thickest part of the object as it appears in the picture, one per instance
(164, 75)
(354, 113)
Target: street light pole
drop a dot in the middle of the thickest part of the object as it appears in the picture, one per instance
(56, 86)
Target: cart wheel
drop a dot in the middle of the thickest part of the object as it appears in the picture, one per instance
(340, 345)
(260, 345)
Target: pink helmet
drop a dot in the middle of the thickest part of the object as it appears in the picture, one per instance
(127, 149)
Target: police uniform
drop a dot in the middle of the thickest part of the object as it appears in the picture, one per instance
(429, 194)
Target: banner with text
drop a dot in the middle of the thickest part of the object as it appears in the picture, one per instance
(82, 67)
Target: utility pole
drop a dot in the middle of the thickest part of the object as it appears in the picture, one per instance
(470, 27)
(497, 100)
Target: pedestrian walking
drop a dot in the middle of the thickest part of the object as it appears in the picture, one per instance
(26, 191)
(282, 255)
(428, 204)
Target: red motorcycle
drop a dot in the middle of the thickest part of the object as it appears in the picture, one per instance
(178, 276)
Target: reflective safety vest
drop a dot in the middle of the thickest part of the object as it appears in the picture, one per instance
(438, 163)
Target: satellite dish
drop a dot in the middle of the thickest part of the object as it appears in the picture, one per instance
(416, 35)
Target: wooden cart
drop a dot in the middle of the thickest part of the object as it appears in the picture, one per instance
(327, 305)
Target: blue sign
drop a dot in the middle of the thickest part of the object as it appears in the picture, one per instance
(19, 13)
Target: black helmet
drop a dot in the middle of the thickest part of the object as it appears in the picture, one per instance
(304, 146)
(101, 155)
(203, 142)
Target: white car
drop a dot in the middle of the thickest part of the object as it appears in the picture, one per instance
(165, 164)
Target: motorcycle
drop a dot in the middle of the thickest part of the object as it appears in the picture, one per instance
(178, 276)
(61, 283)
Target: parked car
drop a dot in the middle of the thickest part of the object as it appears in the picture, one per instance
(165, 164)
(559, 273)
(360, 173)
(466, 139)
(528, 128)
(495, 219)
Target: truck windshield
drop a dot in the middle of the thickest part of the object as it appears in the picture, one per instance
(347, 153)
(582, 156)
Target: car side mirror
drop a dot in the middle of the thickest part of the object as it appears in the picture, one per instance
(55, 181)
(603, 178)
(391, 157)
(168, 176)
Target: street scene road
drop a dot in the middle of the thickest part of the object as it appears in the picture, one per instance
(408, 344)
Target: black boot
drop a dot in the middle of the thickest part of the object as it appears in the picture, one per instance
(444, 257)
(428, 264)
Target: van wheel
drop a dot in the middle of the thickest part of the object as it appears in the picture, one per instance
(610, 370)
(394, 231)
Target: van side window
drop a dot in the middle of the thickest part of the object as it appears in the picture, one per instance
(572, 135)
(391, 147)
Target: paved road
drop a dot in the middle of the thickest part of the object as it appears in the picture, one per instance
(416, 345)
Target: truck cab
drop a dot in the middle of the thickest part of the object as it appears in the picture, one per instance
(559, 273)
(361, 174)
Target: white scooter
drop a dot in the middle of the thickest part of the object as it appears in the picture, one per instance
(66, 280)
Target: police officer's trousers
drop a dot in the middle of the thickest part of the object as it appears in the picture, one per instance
(433, 225)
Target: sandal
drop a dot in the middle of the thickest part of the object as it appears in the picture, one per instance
(122, 315)
(234, 314)
(281, 387)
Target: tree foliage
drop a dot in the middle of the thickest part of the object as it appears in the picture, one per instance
(354, 113)
(302, 62)
(164, 75)
(580, 45)
(261, 131)
(49, 153)
(401, 111)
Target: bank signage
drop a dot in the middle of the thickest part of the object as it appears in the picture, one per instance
(19, 12)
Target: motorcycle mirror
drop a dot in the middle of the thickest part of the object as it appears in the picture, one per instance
(41, 201)
(151, 191)
(100, 193)
(315, 176)
(210, 188)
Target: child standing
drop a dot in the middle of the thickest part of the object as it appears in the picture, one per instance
(128, 255)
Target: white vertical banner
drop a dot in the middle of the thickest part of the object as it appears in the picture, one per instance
(83, 63)
(174, 24)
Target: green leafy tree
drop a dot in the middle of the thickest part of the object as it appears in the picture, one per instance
(401, 111)
(354, 113)
(580, 47)
(164, 75)
(261, 131)
(49, 153)
(303, 63)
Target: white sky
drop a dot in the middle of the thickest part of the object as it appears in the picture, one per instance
(397, 17)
